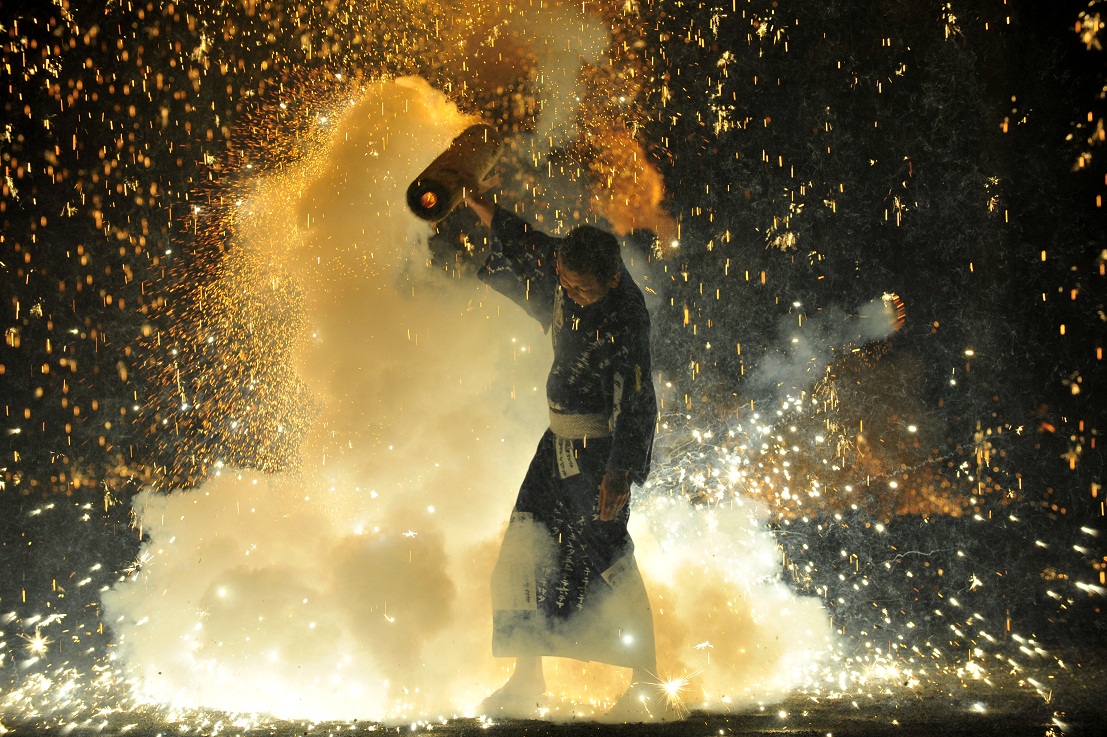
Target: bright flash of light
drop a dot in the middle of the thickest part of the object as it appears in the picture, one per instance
(673, 690)
(38, 643)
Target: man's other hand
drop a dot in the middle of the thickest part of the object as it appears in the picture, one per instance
(614, 492)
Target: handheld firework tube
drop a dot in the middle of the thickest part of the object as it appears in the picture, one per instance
(467, 161)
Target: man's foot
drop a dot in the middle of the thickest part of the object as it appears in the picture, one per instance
(514, 701)
(641, 703)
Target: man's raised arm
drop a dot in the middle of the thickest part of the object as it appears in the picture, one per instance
(481, 205)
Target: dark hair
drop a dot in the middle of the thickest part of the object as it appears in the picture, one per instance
(589, 250)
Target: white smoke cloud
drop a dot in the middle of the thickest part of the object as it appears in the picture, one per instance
(358, 586)
(724, 615)
(565, 38)
(809, 345)
(323, 592)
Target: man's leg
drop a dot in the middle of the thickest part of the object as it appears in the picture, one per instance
(645, 699)
(518, 698)
(527, 679)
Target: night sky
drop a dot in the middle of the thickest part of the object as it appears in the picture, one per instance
(774, 167)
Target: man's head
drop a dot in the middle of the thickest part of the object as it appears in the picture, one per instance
(589, 264)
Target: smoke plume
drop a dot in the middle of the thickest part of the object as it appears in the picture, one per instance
(358, 584)
(809, 345)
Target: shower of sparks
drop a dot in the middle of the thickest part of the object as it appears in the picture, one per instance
(144, 126)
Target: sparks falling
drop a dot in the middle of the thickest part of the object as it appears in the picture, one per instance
(912, 509)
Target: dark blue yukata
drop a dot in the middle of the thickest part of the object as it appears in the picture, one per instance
(566, 583)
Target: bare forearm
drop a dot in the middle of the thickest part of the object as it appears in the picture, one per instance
(481, 205)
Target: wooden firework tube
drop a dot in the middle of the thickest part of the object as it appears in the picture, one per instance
(438, 189)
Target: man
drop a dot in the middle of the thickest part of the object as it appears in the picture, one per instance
(566, 583)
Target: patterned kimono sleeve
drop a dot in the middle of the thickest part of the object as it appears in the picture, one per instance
(635, 401)
(521, 265)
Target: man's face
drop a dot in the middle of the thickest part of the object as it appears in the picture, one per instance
(584, 289)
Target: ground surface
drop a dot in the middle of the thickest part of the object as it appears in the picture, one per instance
(1062, 703)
